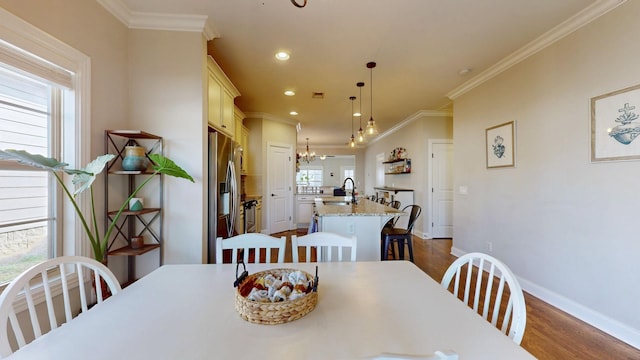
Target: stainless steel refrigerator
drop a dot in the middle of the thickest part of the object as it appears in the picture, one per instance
(225, 157)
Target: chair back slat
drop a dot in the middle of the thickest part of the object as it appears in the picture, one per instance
(324, 243)
(495, 288)
(33, 315)
(36, 283)
(65, 293)
(83, 299)
(48, 297)
(498, 302)
(487, 293)
(251, 244)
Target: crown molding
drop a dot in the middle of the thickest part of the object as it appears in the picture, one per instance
(567, 27)
(156, 21)
(418, 115)
(267, 116)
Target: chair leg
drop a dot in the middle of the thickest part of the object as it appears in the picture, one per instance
(410, 246)
(385, 250)
(393, 249)
(400, 243)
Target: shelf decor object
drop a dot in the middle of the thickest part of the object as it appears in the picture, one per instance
(500, 145)
(134, 158)
(615, 125)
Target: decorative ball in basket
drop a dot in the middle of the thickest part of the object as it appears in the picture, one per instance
(275, 296)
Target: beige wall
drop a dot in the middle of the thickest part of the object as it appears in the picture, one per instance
(413, 136)
(567, 227)
(150, 80)
(264, 131)
(101, 37)
(167, 72)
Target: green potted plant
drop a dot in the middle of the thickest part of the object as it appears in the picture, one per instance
(83, 179)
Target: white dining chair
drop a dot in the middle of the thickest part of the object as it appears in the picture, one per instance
(249, 245)
(50, 279)
(479, 287)
(324, 242)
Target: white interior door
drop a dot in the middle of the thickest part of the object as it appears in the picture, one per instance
(279, 183)
(442, 190)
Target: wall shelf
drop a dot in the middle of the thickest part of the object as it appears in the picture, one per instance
(403, 167)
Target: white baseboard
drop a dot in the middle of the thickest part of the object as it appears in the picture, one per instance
(604, 323)
(611, 326)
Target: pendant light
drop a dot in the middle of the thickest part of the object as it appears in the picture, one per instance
(372, 129)
(361, 135)
(352, 141)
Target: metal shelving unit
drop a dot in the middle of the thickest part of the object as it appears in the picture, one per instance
(146, 222)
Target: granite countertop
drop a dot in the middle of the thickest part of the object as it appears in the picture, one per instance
(364, 207)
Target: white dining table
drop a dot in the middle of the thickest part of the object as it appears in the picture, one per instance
(364, 309)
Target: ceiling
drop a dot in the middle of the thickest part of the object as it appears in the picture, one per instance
(420, 47)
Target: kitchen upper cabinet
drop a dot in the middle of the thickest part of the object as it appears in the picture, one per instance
(221, 94)
(242, 138)
(238, 116)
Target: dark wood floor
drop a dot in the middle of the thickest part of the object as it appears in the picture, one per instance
(550, 333)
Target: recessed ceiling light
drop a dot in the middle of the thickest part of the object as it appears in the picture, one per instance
(294, 113)
(464, 71)
(282, 55)
(357, 114)
(289, 92)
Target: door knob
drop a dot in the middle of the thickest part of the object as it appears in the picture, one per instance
(273, 194)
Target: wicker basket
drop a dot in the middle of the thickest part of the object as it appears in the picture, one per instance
(272, 313)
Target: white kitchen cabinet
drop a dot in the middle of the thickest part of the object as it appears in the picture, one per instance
(304, 207)
(220, 93)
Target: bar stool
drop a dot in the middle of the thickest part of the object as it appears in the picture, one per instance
(400, 237)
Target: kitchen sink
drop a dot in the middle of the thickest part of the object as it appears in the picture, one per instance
(336, 202)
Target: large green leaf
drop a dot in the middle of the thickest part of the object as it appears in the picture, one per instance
(34, 160)
(85, 177)
(165, 166)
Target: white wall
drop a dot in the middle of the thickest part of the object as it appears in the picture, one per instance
(567, 227)
(413, 135)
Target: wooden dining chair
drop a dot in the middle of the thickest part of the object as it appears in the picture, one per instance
(66, 277)
(324, 243)
(479, 281)
(248, 247)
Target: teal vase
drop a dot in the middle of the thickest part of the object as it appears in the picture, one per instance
(134, 159)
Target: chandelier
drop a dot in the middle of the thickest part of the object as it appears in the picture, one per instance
(307, 156)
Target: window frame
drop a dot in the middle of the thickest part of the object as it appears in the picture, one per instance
(27, 48)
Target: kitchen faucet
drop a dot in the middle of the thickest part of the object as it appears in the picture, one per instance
(353, 189)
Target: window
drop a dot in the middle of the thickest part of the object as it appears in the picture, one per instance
(348, 172)
(44, 97)
(309, 176)
(27, 208)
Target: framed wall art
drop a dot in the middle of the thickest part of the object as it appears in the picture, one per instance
(501, 145)
(615, 125)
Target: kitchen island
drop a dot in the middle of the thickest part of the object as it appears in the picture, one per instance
(364, 219)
